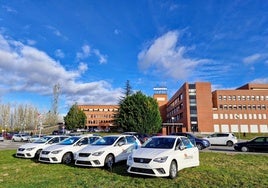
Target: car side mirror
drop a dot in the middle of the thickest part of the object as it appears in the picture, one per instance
(182, 147)
(121, 143)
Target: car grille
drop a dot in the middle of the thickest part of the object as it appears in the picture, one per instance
(141, 170)
(44, 159)
(84, 154)
(142, 160)
(83, 162)
(45, 152)
(21, 149)
(20, 155)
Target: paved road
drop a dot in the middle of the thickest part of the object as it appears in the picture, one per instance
(9, 145)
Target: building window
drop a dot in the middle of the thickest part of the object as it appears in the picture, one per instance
(244, 107)
(234, 97)
(249, 107)
(215, 116)
(229, 97)
(243, 98)
(239, 98)
(220, 97)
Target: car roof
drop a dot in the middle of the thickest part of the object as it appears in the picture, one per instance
(169, 136)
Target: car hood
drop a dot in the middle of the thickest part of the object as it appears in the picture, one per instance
(92, 148)
(150, 152)
(32, 145)
(57, 147)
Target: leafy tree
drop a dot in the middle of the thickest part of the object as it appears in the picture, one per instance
(75, 118)
(139, 113)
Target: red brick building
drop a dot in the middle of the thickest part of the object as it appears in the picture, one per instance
(195, 108)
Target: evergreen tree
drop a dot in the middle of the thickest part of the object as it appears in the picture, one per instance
(139, 113)
(75, 118)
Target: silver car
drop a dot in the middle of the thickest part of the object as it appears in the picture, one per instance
(20, 138)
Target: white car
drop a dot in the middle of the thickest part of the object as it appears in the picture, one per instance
(32, 150)
(20, 137)
(163, 156)
(228, 139)
(107, 151)
(1, 138)
(64, 151)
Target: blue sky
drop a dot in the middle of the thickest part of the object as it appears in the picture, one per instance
(91, 48)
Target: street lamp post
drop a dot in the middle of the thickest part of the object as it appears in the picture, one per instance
(238, 126)
(172, 119)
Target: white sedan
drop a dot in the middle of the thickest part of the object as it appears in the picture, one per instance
(107, 151)
(32, 150)
(163, 156)
(64, 151)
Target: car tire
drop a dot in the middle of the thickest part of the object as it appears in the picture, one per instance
(229, 143)
(37, 154)
(244, 149)
(173, 170)
(199, 146)
(109, 161)
(67, 158)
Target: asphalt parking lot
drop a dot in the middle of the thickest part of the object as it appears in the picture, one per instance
(9, 145)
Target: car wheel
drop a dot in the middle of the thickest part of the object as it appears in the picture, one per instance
(199, 146)
(230, 143)
(67, 158)
(37, 153)
(109, 161)
(244, 149)
(173, 170)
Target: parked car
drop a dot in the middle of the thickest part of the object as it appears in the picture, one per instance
(1, 138)
(21, 138)
(163, 156)
(257, 144)
(200, 143)
(107, 151)
(227, 139)
(142, 137)
(33, 150)
(64, 151)
(35, 137)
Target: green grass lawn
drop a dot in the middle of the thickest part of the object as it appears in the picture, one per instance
(215, 170)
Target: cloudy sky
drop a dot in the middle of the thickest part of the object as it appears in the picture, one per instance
(91, 48)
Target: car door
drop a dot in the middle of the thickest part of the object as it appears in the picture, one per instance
(189, 153)
(122, 149)
(258, 144)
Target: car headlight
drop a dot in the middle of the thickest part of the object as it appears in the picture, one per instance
(98, 153)
(56, 151)
(30, 149)
(160, 159)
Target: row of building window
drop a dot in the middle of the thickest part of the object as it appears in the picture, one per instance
(242, 107)
(98, 122)
(239, 116)
(101, 109)
(243, 98)
(101, 116)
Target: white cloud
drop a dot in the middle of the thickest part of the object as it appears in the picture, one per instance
(260, 81)
(166, 57)
(253, 58)
(87, 51)
(102, 58)
(26, 69)
(59, 53)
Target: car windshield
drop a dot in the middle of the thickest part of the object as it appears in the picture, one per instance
(70, 141)
(107, 140)
(159, 143)
(42, 140)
